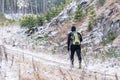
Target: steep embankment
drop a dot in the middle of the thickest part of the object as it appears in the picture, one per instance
(105, 30)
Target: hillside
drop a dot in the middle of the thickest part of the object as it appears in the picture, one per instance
(43, 55)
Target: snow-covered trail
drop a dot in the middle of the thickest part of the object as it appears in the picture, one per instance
(53, 64)
(25, 63)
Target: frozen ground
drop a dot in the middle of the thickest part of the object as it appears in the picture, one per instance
(25, 64)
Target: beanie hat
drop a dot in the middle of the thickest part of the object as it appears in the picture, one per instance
(73, 28)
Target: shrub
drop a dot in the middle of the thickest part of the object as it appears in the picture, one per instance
(89, 26)
(51, 13)
(28, 21)
(91, 14)
(48, 18)
(104, 42)
(109, 53)
(112, 52)
(46, 36)
(2, 15)
(55, 11)
(110, 37)
(84, 51)
(40, 20)
(79, 13)
(68, 1)
(1, 23)
(2, 18)
(101, 2)
(6, 23)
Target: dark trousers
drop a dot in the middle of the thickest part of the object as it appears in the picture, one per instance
(77, 49)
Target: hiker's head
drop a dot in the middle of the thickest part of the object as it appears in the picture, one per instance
(73, 28)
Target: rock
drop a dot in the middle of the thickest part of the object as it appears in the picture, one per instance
(109, 22)
(116, 42)
(64, 15)
(31, 31)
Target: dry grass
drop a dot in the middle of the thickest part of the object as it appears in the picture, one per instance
(39, 69)
(65, 29)
(102, 9)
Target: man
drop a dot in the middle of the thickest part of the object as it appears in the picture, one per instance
(74, 45)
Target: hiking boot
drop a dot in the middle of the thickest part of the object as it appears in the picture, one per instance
(72, 65)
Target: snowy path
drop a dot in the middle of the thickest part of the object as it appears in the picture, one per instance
(55, 63)
(47, 65)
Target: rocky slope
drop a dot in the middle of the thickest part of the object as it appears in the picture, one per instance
(105, 32)
(107, 25)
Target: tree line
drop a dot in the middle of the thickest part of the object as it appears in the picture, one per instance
(28, 6)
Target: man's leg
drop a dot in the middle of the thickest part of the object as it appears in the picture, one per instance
(79, 56)
(72, 56)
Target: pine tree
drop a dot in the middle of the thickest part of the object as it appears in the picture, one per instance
(92, 14)
(79, 13)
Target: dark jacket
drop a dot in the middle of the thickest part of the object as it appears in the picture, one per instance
(69, 39)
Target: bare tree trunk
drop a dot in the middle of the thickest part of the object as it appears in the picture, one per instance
(3, 6)
(44, 6)
(0, 6)
(31, 7)
(36, 7)
(15, 6)
(11, 6)
(8, 6)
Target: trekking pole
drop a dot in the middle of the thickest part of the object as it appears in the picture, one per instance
(69, 52)
(84, 59)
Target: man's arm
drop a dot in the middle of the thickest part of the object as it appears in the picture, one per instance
(68, 42)
(80, 37)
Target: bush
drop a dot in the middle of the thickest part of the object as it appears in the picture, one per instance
(104, 42)
(89, 26)
(112, 53)
(2, 18)
(40, 20)
(110, 37)
(101, 2)
(55, 11)
(68, 1)
(91, 14)
(46, 36)
(6, 23)
(109, 53)
(2, 15)
(28, 21)
(48, 16)
(79, 13)
(32, 21)
(51, 14)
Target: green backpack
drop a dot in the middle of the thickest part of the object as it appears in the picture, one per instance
(75, 38)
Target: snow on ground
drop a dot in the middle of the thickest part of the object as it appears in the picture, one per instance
(21, 65)
(14, 16)
(51, 60)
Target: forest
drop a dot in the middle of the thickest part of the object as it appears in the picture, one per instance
(28, 6)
